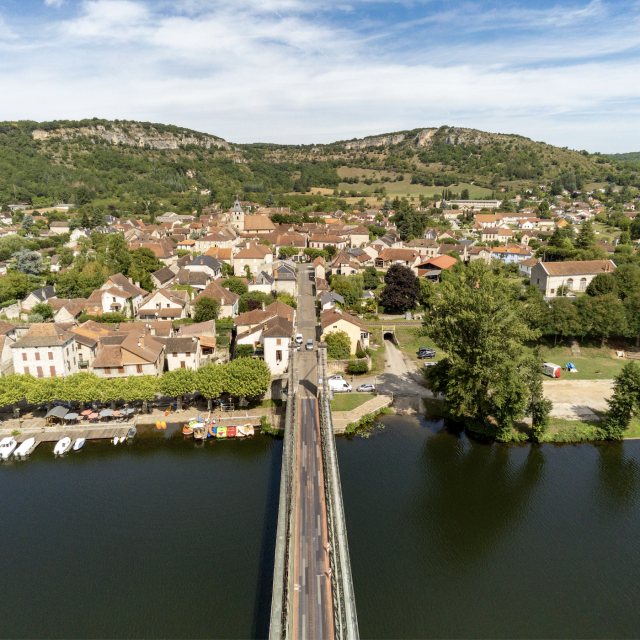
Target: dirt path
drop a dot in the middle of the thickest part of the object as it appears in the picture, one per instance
(578, 399)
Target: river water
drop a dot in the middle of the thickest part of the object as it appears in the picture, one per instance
(449, 537)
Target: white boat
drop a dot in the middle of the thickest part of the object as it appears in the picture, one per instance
(79, 443)
(115, 439)
(122, 439)
(62, 446)
(24, 449)
(7, 445)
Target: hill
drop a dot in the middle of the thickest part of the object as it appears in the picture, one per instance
(132, 166)
(633, 156)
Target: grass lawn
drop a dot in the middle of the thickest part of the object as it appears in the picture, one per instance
(409, 342)
(349, 401)
(586, 429)
(377, 355)
(595, 363)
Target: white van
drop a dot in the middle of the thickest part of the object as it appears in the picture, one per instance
(338, 386)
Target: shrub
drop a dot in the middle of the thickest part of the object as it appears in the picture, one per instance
(358, 366)
(244, 351)
(338, 345)
(361, 353)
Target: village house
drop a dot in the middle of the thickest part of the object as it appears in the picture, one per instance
(525, 266)
(491, 234)
(329, 300)
(405, 257)
(206, 264)
(511, 254)
(336, 320)
(251, 319)
(136, 355)
(323, 241)
(45, 351)
(164, 304)
(229, 300)
(117, 295)
(183, 353)
(37, 297)
(59, 227)
(345, 265)
(164, 277)
(428, 248)
(432, 268)
(550, 277)
(252, 255)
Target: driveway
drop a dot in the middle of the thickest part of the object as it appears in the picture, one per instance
(400, 376)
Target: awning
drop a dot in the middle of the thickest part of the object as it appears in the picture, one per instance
(57, 412)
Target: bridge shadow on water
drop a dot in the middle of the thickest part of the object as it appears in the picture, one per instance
(264, 587)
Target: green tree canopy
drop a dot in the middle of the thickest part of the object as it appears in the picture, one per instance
(236, 285)
(481, 327)
(210, 381)
(206, 308)
(402, 290)
(246, 377)
(338, 345)
(177, 383)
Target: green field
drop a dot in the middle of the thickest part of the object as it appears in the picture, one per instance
(407, 189)
(349, 401)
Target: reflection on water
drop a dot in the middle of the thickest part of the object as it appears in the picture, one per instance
(454, 538)
(473, 494)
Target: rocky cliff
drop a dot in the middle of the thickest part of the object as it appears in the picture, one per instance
(133, 135)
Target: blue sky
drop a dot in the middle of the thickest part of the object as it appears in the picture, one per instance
(303, 71)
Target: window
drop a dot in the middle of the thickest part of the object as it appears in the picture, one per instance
(68, 365)
(583, 284)
(107, 370)
(26, 369)
(50, 355)
(553, 291)
(138, 368)
(278, 341)
(37, 355)
(52, 370)
(278, 357)
(67, 350)
(175, 355)
(570, 284)
(39, 372)
(364, 335)
(24, 357)
(182, 365)
(74, 362)
(121, 369)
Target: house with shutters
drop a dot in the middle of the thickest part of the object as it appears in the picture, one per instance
(405, 257)
(45, 351)
(164, 277)
(492, 234)
(37, 297)
(229, 300)
(323, 241)
(270, 338)
(120, 293)
(336, 320)
(163, 305)
(206, 264)
(183, 353)
(252, 255)
(133, 354)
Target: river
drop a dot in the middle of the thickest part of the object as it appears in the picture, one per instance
(449, 537)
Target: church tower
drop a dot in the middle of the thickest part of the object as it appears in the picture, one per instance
(237, 216)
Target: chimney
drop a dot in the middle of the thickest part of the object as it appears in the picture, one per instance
(138, 284)
(247, 245)
(264, 308)
(222, 302)
(130, 280)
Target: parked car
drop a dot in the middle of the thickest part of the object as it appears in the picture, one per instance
(337, 376)
(309, 344)
(367, 387)
(425, 352)
(299, 338)
(433, 363)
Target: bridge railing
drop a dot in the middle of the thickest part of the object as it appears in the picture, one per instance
(282, 587)
(344, 604)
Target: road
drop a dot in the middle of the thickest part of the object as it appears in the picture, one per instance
(312, 601)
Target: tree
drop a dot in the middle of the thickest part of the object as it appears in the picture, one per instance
(15, 387)
(402, 290)
(177, 383)
(43, 310)
(481, 326)
(539, 407)
(562, 318)
(81, 387)
(312, 253)
(246, 377)
(113, 389)
(607, 316)
(227, 269)
(210, 382)
(118, 254)
(244, 351)
(141, 388)
(29, 262)
(247, 271)
(586, 236)
(428, 292)
(464, 194)
(271, 201)
(14, 286)
(338, 345)
(331, 250)
(287, 252)
(627, 277)
(206, 308)
(370, 278)
(288, 299)
(357, 367)
(602, 284)
(624, 401)
(632, 307)
(45, 390)
(28, 222)
(144, 260)
(236, 285)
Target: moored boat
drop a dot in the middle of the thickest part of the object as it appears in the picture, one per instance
(187, 430)
(231, 432)
(25, 448)
(62, 446)
(79, 443)
(199, 432)
(7, 445)
(131, 433)
(212, 432)
(222, 432)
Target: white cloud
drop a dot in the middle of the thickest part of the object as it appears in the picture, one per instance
(282, 71)
(54, 3)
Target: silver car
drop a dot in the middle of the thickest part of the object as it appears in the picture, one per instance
(309, 346)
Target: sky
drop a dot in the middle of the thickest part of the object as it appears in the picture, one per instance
(317, 71)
